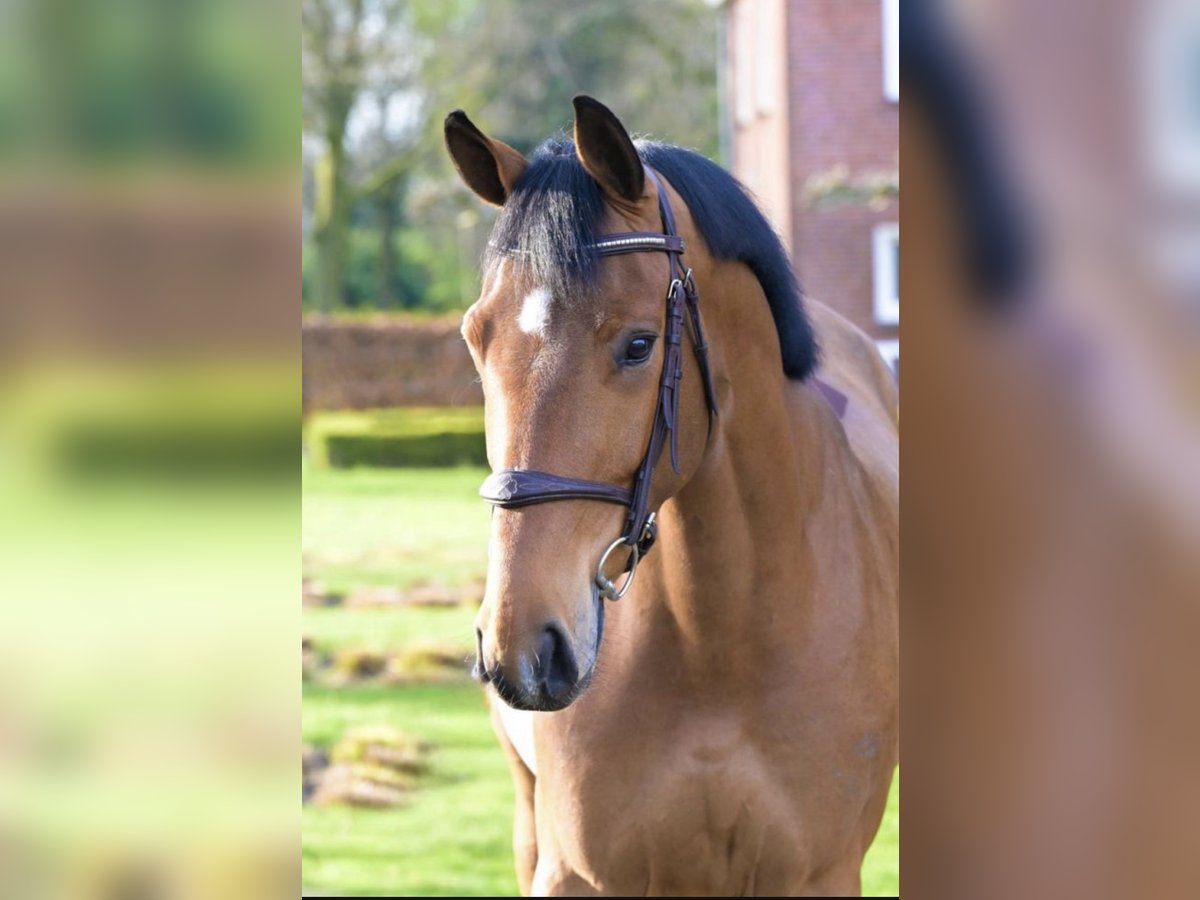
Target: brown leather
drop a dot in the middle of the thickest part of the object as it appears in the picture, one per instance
(835, 398)
(515, 488)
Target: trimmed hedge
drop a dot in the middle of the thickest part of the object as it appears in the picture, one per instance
(398, 438)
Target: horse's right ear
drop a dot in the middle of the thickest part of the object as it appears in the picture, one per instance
(488, 166)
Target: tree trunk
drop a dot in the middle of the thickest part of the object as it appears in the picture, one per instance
(333, 216)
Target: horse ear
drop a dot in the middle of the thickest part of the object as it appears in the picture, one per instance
(606, 151)
(488, 166)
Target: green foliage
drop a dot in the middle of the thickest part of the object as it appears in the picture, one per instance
(131, 82)
(396, 438)
(361, 285)
(401, 450)
(427, 273)
(514, 66)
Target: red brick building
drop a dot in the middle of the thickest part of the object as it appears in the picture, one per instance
(811, 90)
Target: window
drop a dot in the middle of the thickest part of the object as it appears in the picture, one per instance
(890, 351)
(755, 60)
(886, 256)
(743, 64)
(1170, 81)
(764, 61)
(891, 49)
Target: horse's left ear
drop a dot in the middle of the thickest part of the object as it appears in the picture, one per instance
(606, 150)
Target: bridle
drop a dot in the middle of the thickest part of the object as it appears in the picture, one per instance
(517, 488)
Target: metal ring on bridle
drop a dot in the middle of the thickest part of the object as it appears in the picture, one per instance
(608, 590)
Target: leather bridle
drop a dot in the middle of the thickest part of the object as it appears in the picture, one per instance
(517, 488)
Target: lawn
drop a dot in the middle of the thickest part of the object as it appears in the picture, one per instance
(394, 526)
(402, 527)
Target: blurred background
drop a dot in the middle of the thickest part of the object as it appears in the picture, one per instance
(149, 404)
(406, 789)
(1051, 498)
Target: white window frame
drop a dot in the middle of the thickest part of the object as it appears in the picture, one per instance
(890, 14)
(1168, 44)
(743, 64)
(764, 63)
(885, 258)
(890, 351)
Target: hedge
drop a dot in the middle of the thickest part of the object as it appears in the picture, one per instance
(397, 438)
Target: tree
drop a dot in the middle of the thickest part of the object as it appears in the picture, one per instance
(352, 50)
(515, 64)
(380, 75)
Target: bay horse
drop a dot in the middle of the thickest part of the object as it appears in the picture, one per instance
(730, 726)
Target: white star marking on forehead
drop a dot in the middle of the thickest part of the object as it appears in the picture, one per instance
(535, 312)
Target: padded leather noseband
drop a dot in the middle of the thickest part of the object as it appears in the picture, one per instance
(516, 488)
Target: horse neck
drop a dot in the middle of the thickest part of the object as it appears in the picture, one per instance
(738, 567)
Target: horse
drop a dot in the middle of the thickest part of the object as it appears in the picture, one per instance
(709, 703)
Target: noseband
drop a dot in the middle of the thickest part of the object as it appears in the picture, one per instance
(516, 488)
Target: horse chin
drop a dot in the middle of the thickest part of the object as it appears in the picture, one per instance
(540, 701)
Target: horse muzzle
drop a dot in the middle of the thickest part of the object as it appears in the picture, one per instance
(544, 678)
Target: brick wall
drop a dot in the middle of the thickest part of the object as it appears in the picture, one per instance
(833, 112)
(838, 116)
(364, 365)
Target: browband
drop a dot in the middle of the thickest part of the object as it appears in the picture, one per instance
(636, 241)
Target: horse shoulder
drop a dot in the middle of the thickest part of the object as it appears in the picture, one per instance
(852, 363)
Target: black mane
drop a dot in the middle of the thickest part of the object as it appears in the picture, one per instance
(549, 222)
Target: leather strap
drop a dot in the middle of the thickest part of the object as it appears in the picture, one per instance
(836, 399)
(638, 242)
(516, 488)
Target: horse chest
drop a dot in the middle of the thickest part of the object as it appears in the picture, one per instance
(518, 728)
(701, 810)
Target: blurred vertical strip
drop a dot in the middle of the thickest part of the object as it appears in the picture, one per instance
(149, 452)
(1051, 466)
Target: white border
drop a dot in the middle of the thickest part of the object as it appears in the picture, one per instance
(890, 14)
(885, 258)
(890, 351)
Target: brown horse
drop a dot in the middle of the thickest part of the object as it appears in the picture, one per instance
(730, 726)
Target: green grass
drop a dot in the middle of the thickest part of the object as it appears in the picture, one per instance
(881, 868)
(394, 527)
(334, 628)
(453, 838)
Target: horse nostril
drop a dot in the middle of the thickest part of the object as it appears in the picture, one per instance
(556, 668)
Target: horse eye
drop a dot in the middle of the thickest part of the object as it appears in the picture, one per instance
(638, 349)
